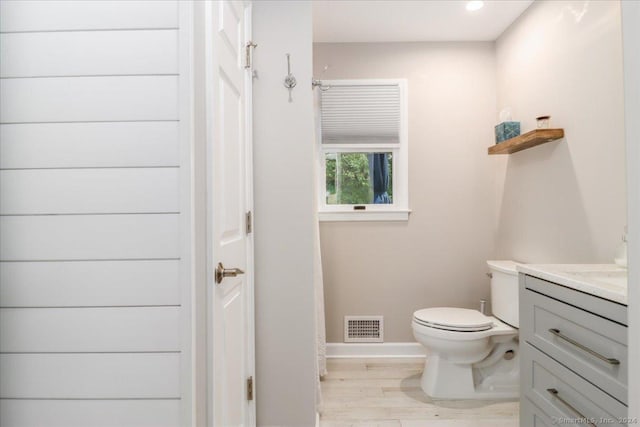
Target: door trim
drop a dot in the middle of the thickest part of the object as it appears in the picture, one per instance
(250, 290)
(187, 212)
(630, 32)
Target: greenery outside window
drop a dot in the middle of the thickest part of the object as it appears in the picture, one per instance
(351, 178)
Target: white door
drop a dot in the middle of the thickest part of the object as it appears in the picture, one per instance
(230, 247)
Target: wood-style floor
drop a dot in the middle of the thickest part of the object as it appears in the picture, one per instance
(387, 393)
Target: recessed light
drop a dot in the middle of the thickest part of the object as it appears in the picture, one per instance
(474, 5)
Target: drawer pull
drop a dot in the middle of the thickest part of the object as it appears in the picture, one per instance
(610, 361)
(577, 413)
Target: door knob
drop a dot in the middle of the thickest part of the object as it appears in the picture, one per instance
(222, 272)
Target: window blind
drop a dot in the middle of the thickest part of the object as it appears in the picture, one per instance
(368, 114)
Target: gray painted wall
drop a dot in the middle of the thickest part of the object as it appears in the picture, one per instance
(438, 256)
(283, 155)
(563, 202)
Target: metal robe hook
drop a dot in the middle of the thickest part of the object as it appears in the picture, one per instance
(289, 81)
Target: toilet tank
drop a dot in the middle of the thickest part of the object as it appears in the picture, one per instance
(504, 291)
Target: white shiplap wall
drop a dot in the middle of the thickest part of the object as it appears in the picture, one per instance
(90, 214)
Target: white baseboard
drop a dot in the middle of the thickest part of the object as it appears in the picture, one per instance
(386, 349)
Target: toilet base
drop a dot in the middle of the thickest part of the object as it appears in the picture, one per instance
(493, 378)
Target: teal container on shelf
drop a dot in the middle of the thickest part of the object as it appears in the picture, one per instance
(507, 130)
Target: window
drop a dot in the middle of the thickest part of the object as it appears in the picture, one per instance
(363, 151)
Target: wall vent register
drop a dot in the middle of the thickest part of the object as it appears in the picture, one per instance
(363, 329)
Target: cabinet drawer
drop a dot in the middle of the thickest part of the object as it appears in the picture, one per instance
(532, 416)
(587, 302)
(577, 339)
(563, 395)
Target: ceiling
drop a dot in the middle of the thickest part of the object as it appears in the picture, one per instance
(418, 20)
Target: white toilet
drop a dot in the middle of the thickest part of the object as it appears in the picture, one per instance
(471, 355)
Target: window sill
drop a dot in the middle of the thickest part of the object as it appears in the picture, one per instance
(396, 215)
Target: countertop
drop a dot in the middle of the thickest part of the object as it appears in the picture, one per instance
(608, 281)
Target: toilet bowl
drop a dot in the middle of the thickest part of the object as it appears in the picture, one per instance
(472, 355)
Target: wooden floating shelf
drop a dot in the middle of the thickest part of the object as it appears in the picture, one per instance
(527, 140)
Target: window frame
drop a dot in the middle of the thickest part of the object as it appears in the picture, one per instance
(399, 209)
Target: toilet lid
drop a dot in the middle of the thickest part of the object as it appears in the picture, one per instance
(453, 319)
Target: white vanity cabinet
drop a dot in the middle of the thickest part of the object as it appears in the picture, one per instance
(573, 356)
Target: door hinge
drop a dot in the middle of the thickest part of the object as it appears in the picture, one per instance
(247, 47)
(250, 388)
(248, 224)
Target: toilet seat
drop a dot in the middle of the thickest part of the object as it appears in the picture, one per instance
(453, 319)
